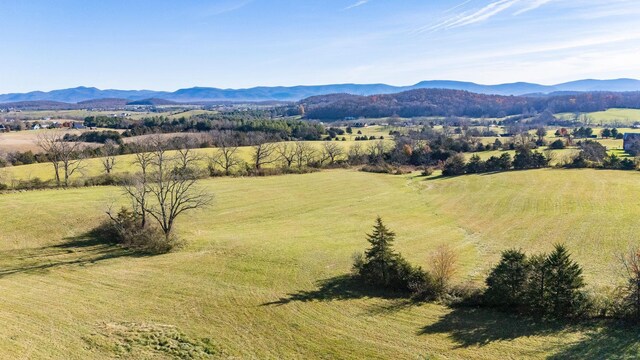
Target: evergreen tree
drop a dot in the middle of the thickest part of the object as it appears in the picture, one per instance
(380, 259)
(506, 284)
(564, 283)
(454, 166)
(475, 165)
(535, 294)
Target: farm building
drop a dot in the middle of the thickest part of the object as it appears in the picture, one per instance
(631, 143)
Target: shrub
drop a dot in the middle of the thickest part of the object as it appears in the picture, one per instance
(427, 171)
(32, 184)
(382, 169)
(125, 229)
(443, 267)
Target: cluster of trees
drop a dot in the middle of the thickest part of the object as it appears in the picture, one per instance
(365, 138)
(548, 285)
(100, 137)
(543, 285)
(583, 132)
(442, 102)
(524, 158)
(611, 133)
(237, 121)
(594, 155)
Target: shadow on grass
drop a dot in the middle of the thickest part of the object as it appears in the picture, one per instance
(343, 287)
(80, 250)
(478, 327)
(470, 327)
(612, 341)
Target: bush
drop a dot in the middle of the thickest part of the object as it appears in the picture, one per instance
(126, 230)
(557, 145)
(32, 184)
(383, 169)
(3, 186)
(427, 171)
(454, 166)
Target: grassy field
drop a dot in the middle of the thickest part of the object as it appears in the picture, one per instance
(608, 117)
(124, 163)
(261, 274)
(28, 140)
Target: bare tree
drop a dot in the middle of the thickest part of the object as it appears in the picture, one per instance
(287, 153)
(226, 156)
(109, 151)
(186, 158)
(331, 151)
(264, 154)
(304, 154)
(443, 265)
(355, 154)
(66, 156)
(630, 262)
(167, 186)
(137, 188)
(376, 150)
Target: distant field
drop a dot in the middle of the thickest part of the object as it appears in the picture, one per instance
(81, 114)
(68, 114)
(618, 117)
(261, 272)
(28, 139)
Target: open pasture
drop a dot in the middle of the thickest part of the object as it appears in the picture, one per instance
(262, 272)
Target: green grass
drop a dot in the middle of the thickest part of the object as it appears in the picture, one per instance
(608, 117)
(124, 163)
(261, 274)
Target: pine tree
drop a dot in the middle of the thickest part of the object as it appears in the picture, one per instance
(380, 258)
(506, 284)
(535, 295)
(564, 281)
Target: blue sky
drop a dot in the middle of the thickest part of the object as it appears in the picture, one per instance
(166, 45)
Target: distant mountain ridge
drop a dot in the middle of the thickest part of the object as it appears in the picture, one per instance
(296, 93)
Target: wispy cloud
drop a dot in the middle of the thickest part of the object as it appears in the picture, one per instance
(484, 13)
(356, 4)
(534, 4)
(223, 7)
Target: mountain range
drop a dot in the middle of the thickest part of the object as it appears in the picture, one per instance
(296, 93)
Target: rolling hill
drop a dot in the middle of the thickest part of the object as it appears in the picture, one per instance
(296, 93)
